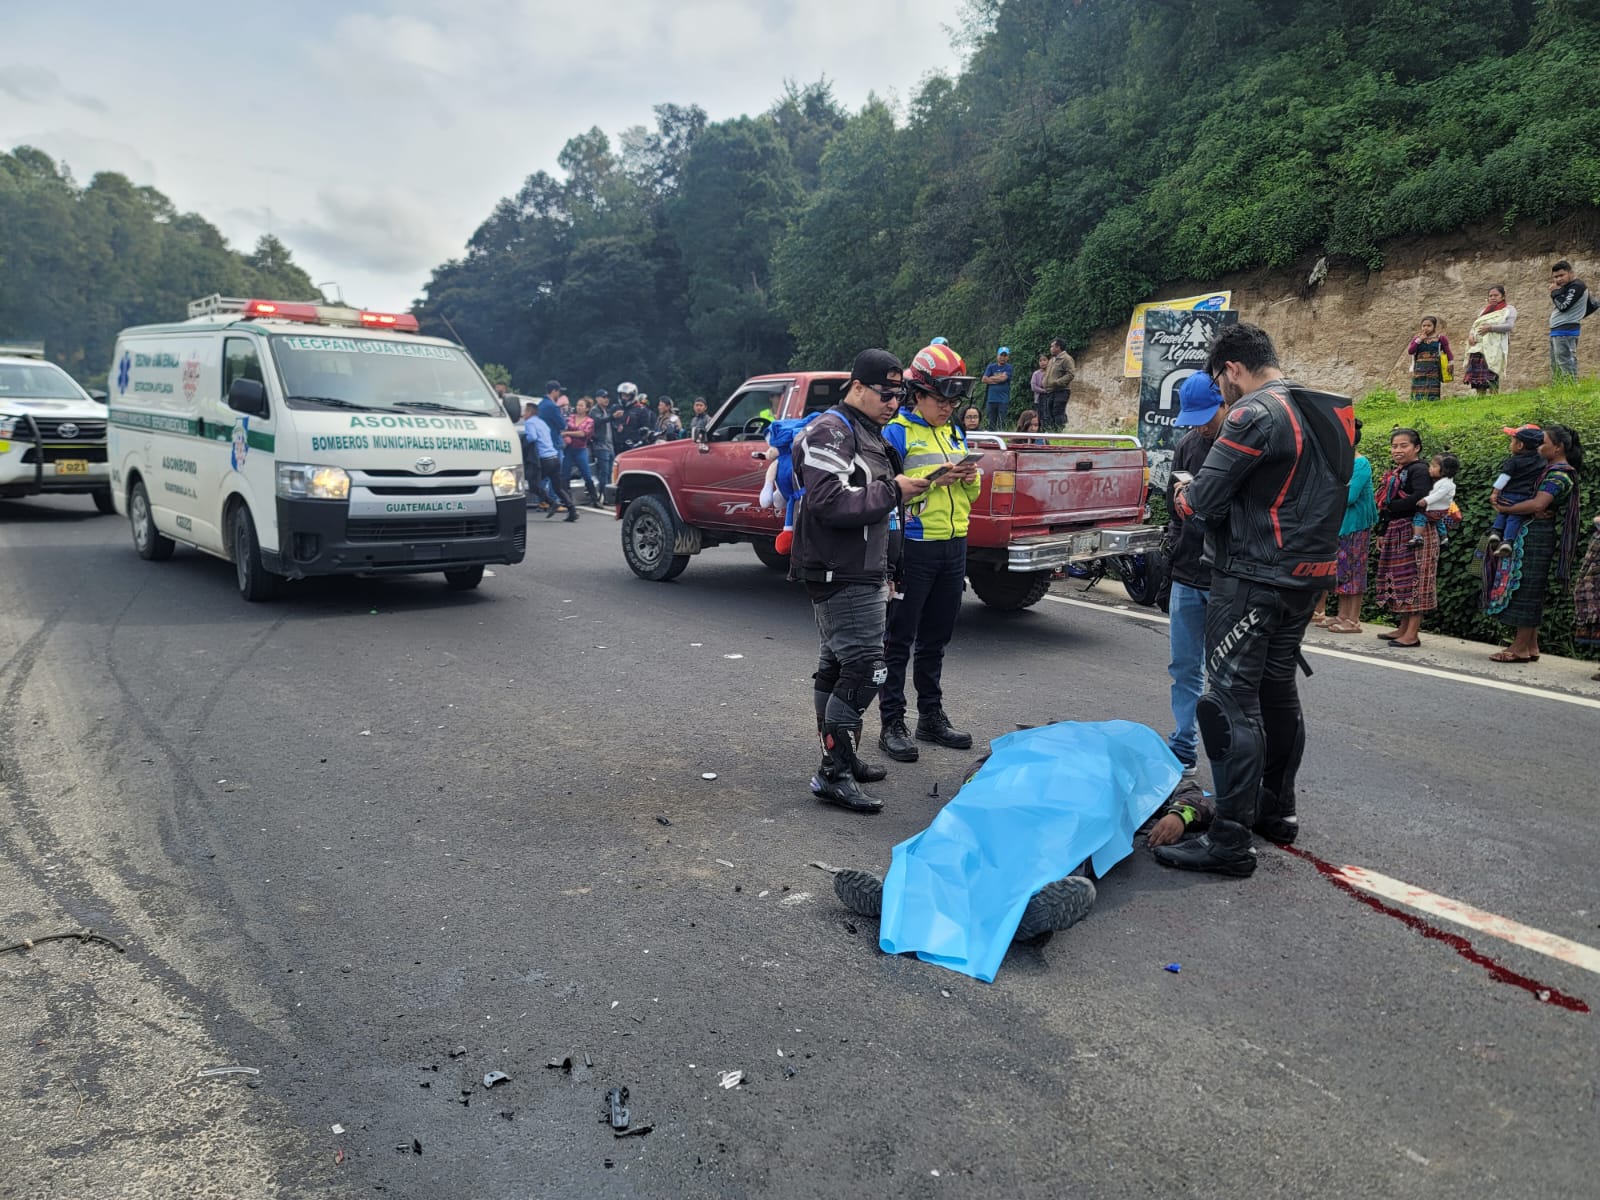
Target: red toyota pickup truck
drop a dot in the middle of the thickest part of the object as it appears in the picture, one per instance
(1048, 500)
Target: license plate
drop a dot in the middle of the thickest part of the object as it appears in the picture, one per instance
(72, 466)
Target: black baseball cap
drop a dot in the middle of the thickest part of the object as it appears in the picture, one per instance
(601, 392)
(873, 367)
(553, 386)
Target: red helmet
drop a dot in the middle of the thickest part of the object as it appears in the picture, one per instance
(940, 370)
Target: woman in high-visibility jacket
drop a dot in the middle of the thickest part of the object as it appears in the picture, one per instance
(933, 563)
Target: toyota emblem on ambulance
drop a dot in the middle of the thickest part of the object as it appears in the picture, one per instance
(426, 466)
(67, 429)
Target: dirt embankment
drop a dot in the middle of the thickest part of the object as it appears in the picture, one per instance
(1349, 332)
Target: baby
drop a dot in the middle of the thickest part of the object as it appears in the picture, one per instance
(1517, 481)
(1442, 470)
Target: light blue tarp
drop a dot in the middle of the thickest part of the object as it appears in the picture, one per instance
(1047, 800)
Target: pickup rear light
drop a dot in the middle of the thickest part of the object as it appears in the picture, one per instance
(1002, 493)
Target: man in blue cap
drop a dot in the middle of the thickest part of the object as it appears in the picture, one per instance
(997, 400)
(1201, 410)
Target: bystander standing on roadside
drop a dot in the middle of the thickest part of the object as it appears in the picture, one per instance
(1430, 360)
(538, 453)
(575, 448)
(700, 421)
(669, 428)
(600, 445)
(1271, 492)
(1036, 386)
(1489, 343)
(850, 485)
(550, 412)
(1408, 575)
(1570, 303)
(997, 382)
(1355, 540)
(932, 576)
(1201, 410)
(1058, 377)
(1517, 585)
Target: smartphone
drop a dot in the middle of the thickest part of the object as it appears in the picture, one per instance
(1183, 478)
(939, 476)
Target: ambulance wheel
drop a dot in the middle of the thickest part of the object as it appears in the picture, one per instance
(465, 579)
(648, 532)
(767, 552)
(256, 583)
(147, 539)
(103, 501)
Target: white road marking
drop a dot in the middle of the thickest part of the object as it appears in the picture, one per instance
(1559, 948)
(1499, 685)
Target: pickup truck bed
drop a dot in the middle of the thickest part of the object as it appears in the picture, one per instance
(1048, 500)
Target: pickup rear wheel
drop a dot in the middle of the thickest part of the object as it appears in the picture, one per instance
(1010, 590)
(649, 531)
(768, 553)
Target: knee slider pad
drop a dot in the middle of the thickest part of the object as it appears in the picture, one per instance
(859, 681)
(1216, 725)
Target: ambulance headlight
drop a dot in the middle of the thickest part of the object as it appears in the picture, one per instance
(307, 481)
(509, 481)
(8, 425)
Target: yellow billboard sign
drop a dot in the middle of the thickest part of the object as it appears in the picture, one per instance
(1133, 360)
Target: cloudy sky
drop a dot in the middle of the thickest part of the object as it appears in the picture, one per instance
(373, 136)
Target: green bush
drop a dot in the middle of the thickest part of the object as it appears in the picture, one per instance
(1470, 429)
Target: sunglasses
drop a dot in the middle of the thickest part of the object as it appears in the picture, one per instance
(893, 392)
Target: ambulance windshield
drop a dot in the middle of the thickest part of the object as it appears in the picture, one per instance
(380, 375)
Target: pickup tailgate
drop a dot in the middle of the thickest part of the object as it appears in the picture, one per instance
(1039, 484)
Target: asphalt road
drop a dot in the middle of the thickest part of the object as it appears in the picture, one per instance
(352, 832)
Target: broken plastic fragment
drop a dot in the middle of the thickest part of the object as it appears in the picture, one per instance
(616, 1106)
(1173, 967)
(494, 1077)
(730, 1079)
(708, 775)
(210, 1071)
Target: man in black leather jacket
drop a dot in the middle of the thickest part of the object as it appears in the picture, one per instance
(851, 484)
(1271, 493)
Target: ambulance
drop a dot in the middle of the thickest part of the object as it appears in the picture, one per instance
(300, 439)
(52, 432)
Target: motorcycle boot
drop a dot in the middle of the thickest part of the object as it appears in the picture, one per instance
(1056, 906)
(935, 727)
(1277, 822)
(859, 891)
(864, 772)
(895, 741)
(1224, 849)
(834, 782)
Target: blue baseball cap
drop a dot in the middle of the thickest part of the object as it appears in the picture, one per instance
(1002, 350)
(1198, 400)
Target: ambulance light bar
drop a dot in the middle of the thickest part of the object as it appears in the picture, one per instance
(310, 314)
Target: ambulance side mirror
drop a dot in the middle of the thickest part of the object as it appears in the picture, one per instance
(248, 396)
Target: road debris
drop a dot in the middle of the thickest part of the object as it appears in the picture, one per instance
(560, 1064)
(829, 868)
(616, 1108)
(708, 775)
(1173, 967)
(933, 793)
(208, 1072)
(663, 821)
(722, 862)
(730, 1079)
(458, 1052)
(88, 935)
(337, 1128)
(733, 656)
(494, 1077)
(636, 1131)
